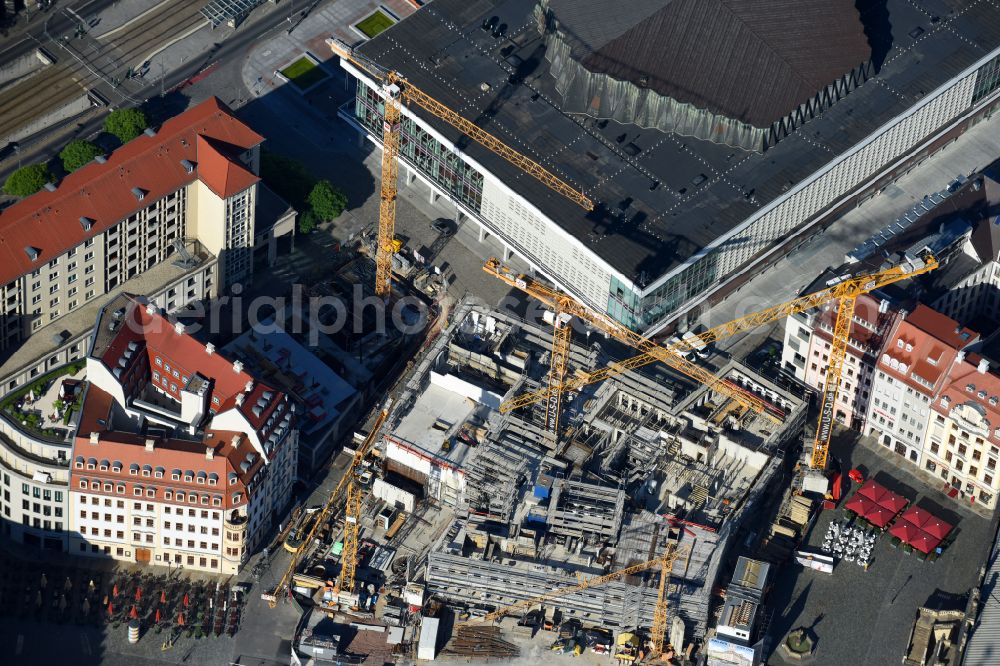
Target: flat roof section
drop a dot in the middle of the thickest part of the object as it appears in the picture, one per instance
(661, 197)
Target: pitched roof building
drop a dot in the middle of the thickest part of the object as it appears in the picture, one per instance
(194, 455)
(170, 214)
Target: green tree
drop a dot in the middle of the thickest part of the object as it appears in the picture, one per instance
(78, 153)
(287, 177)
(327, 201)
(126, 124)
(27, 180)
(307, 221)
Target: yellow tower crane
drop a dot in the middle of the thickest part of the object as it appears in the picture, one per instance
(849, 288)
(847, 293)
(352, 510)
(665, 561)
(396, 90)
(566, 304)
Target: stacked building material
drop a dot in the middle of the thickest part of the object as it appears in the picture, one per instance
(480, 641)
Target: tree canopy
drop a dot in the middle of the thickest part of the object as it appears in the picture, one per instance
(27, 180)
(126, 124)
(78, 153)
(327, 201)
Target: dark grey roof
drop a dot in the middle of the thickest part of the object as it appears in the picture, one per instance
(751, 60)
(661, 197)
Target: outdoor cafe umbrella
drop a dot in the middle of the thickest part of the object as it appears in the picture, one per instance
(134, 614)
(86, 607)
(859, 504)
(163, 596)
(936, 527)
(62, 602)
(925, 543)
(879, 516)
(138, 593)
(905, 531)
(917, 516)
(157, 617)
(180, 619)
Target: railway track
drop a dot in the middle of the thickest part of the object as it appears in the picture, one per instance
(59, 84)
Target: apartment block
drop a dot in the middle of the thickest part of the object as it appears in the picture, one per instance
(913, 367)
(170, 214)
(806, 352)
(181, 456)
(963, 440)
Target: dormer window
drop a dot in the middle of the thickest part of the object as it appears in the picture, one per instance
(87, 223)
(971, 388)
(899, 343)
(32, 252)
(139, 193)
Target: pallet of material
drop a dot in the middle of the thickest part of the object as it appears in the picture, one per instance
(781, 529)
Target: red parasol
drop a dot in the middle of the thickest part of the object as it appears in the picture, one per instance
(879, 516)
(111, 610)
(138, 593)
(925, 543)
(937, 528)
(187, 601)
(180, 619)
(917, 516)
(134, 614)
(114, 591)
(870, 489)
(163, 596)
(905, 531)
(859, 504)
(856, 476)
(157, 617)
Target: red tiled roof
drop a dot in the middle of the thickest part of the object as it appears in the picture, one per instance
(50, 221)
(188, 356)
(221, 174)
(942, 327)
(964, 376)
(128, 448)
(923, 336)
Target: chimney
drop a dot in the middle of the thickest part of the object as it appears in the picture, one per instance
(150, 444)
(236, 441)
(209, 453)
(249, 386)
(150, 308)
(239, 399)
(209, 348)
(984, 365)
(883, 306)
(95, 438)
(960, 357)
(237, 366)
(179, 328)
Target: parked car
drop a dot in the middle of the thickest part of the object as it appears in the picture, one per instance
(443, 226)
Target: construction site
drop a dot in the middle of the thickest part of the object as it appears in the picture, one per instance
(529, 485)
(471, 511)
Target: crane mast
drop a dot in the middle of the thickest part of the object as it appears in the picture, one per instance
(347, 480)
(396, 90)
